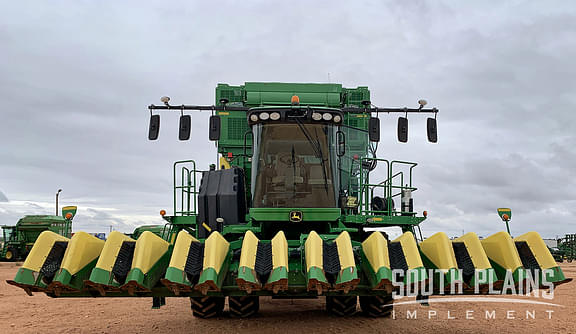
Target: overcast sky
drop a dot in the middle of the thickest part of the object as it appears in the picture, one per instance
(76, 77)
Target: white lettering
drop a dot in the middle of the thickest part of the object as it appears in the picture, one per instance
(431, 313)
(531, 315)
(410, 315)
(510, 314)
(449, 317)
(491, 315)
(470, 314)
(549, 313)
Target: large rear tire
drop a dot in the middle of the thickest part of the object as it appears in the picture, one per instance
(341, 306)
(11, 254)
(377, 306)
(207, 307)
(243, 306)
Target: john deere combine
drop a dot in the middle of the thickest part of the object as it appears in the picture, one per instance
(288, 212)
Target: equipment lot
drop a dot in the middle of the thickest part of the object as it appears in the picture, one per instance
(22, 314)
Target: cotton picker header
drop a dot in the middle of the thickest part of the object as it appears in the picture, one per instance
(290, 211)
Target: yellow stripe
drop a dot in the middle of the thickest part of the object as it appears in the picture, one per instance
(207, 227)
(345, 253)
(375, 247)
(313, 248)
(249, 248)
(82, 249)
(181, 249)
(411, 253)
(148, 250)
(215, 251)
(438, 249)
(539, 249)
(475, 250)
(500, 248)
(279, 251)
(110, 251)
(41, 249)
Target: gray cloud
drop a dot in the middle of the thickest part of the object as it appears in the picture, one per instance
(76, 77)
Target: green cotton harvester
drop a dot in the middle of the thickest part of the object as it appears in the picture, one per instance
(291, 210)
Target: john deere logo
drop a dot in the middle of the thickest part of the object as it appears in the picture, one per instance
(295, 216)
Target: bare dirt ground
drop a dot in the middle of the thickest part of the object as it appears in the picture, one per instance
(20, 313)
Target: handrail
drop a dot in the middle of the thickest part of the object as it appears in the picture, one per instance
(367, 189)
(187, 188)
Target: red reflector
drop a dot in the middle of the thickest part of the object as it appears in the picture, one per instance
(229, 154)
(355, 156)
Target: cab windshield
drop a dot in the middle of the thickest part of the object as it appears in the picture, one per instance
(293, 166)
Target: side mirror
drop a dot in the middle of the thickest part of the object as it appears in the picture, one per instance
(402, 129)
(432, 130)
(154, 127)
(214, 131)
(184, 131)
(374, 129)
(341, 146)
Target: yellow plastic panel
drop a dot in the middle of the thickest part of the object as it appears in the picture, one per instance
(345, 253)
(313, 248)
(539, 249)
(181, 249)
(110, 251)
(249, 248)
(41, 249)
(375, 247)
(148, 250)
(410, 248)
(279, 251)
(500, 248)
(475, 250)
(82, 249)
(438, 249)
(215, 251)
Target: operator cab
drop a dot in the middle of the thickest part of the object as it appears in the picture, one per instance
(294, 162)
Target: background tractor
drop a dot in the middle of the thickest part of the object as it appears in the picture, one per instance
(19, 239)
(291, 210)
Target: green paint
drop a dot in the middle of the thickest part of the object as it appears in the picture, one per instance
(247, 274)
(101, 276)
(178, 276)
(316, 273)
(278, 274)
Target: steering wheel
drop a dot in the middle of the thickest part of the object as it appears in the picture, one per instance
(286, 158)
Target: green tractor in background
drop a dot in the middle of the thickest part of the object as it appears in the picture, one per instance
(19, 239)
(294, 208)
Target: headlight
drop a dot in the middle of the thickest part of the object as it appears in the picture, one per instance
(264, 116)
(275, 116)
(316, 116)
(327, 116)
(254, 118)
(337, 119)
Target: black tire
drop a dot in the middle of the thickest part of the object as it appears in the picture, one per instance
(207, 307)
(243, 306)
(341, 306)
(377, 306)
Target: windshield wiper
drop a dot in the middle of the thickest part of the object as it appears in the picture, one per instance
(317, 148)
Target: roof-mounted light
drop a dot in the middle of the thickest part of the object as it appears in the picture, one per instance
(275, 116)
(337, 119)
(327, 116)
(316, 116)
(254, 118)
(264, 116)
